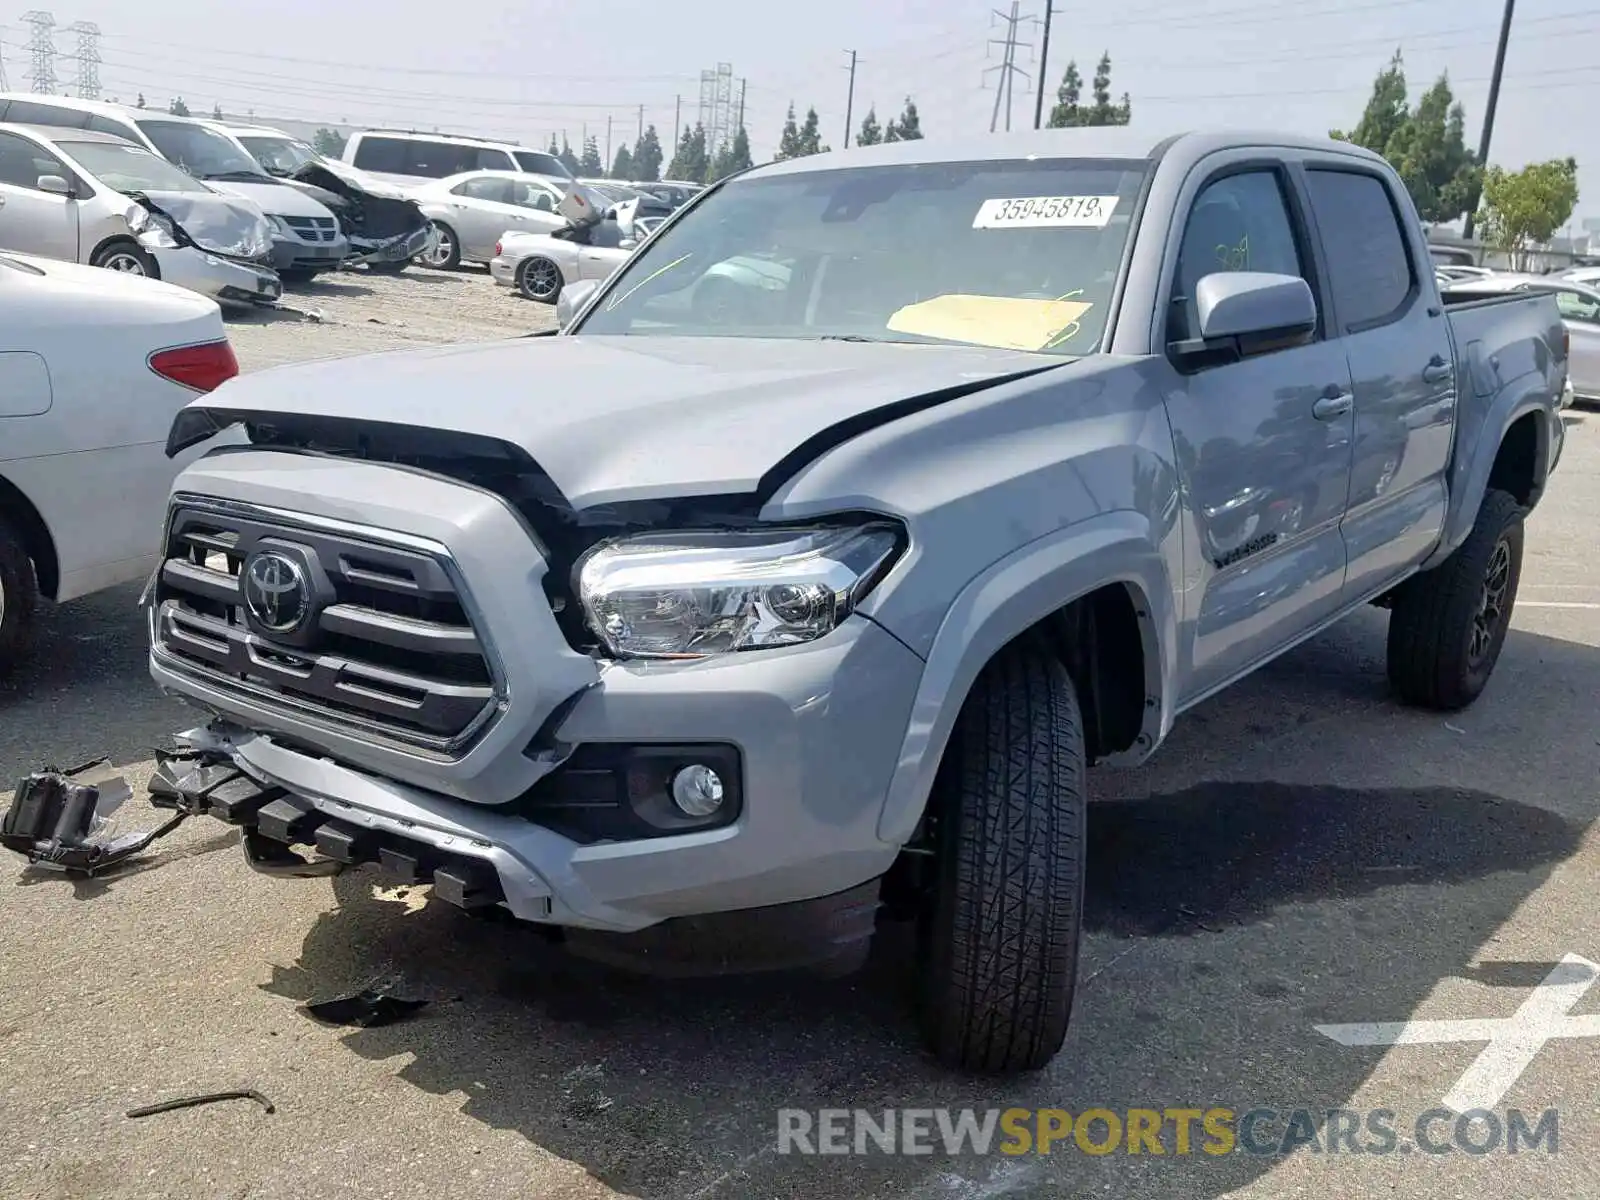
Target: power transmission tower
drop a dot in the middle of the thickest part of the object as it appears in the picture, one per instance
(850, 99)
(42, 50)
(5, 84)
(716, 107)
(88, 57)
(1008, 67)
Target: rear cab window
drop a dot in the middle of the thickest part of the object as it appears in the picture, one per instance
(1369, 257)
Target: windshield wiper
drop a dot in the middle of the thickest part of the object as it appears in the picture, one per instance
(239, 177)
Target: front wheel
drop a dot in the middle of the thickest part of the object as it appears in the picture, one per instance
(19, 597)
(1449, 624)
(126, 258)
(1002, 932)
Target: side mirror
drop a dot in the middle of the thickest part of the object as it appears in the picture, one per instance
(627, 243)
(573, 297)
(1250, 304)
(56, 185)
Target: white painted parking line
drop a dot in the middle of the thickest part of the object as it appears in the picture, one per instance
(1514, 1041)
(1555, 604)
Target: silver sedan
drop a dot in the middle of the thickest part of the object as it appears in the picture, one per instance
(469, 212)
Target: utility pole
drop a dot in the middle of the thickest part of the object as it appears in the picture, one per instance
(641, 126)
(677, 121)
(609, 159)
(1044, 65)
(1008, 68)
(1488, 111)
(5, 86)
(850, 98)
(743, 83)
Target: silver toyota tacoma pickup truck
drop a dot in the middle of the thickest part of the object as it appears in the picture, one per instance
(818, 588)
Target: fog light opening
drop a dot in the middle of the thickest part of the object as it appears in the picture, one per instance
(697, 790)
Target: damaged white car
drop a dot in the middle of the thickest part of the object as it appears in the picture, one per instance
(95, 198)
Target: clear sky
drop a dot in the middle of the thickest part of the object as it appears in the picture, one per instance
(533, 67)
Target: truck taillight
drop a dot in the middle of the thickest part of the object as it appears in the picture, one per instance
(203, 367)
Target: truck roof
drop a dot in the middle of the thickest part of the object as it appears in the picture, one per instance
(1110, 141)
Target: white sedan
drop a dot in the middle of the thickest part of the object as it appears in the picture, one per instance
(94, 365)
(95, 198)
(469, 212)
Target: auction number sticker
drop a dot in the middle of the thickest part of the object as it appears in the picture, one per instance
(1043, 212)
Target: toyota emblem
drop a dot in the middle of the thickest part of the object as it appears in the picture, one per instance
(275, 592)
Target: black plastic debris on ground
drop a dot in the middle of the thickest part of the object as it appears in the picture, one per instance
(65, 820)
(366, 1009)
(150, 1110)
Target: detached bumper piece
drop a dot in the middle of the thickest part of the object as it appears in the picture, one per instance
(62, 820)
(273, 822)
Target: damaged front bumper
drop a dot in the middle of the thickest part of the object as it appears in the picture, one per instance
(390, 250)
(229, 282)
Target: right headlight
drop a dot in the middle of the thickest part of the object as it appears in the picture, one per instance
(691, 595)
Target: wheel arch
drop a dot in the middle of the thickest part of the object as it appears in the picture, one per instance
(117, 239)
(20, 512)
(1097, 594)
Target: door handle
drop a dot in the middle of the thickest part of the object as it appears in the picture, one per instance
(1437, 370)
(1328, 407)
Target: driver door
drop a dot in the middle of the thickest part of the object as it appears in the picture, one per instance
(1264, 444)
(33, 221)
(484, 211)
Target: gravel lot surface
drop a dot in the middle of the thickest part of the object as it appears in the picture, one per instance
(1302, 852)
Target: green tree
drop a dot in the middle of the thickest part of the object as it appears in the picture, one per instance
(690, 163)
(1068, 111)
(907, 127)
(733, 157)
(567, 157)
(178, 108)
(1426, 145)
(871, 132)
(328, 142)
(141, 101)
(789, 140)
(647, 155)
(216, 112)
(589, 164)
(555, 147)
(810, 140)
(622, 165)
(1523, 209)
(1103, 111)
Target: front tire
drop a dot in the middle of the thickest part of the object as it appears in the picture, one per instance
(1449, 623)
(1002, 932)
(19, 598)
(126, 258)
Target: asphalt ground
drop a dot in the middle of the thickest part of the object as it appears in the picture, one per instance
(1302, 853)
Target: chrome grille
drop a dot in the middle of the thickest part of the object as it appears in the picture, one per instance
(313, 229)
(384, 648)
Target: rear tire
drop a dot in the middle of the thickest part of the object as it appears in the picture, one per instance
(19, 598)
(1002, 931)
(446, 254)
(1448, 624)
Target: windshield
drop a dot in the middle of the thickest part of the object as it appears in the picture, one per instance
(537, 163)
(1016, 254)
(124, 168)
(279, 155)
(202, 152)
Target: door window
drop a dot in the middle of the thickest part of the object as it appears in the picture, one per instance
(485, 188)
(385, 155)
(22, 162)
(1240, 222)
(531, 195)
(31, 112)
(1575, 306)
(1369, 263)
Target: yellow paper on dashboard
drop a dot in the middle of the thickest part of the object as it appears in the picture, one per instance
(1005, 322)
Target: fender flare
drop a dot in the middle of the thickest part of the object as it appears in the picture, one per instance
(1469, 478)
(1010, 597)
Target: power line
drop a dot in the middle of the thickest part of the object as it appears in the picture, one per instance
(88, 57)
(42, 50)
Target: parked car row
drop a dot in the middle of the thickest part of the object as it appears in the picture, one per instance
(1577, 296)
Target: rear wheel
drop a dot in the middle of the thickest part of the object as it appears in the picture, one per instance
(1449, 624)
(539, 279)
(126, 258)
(19, 597)
(1001, 935)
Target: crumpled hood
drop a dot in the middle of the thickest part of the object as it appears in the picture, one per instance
(275, 199)
(223, 224)
(614, 418)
